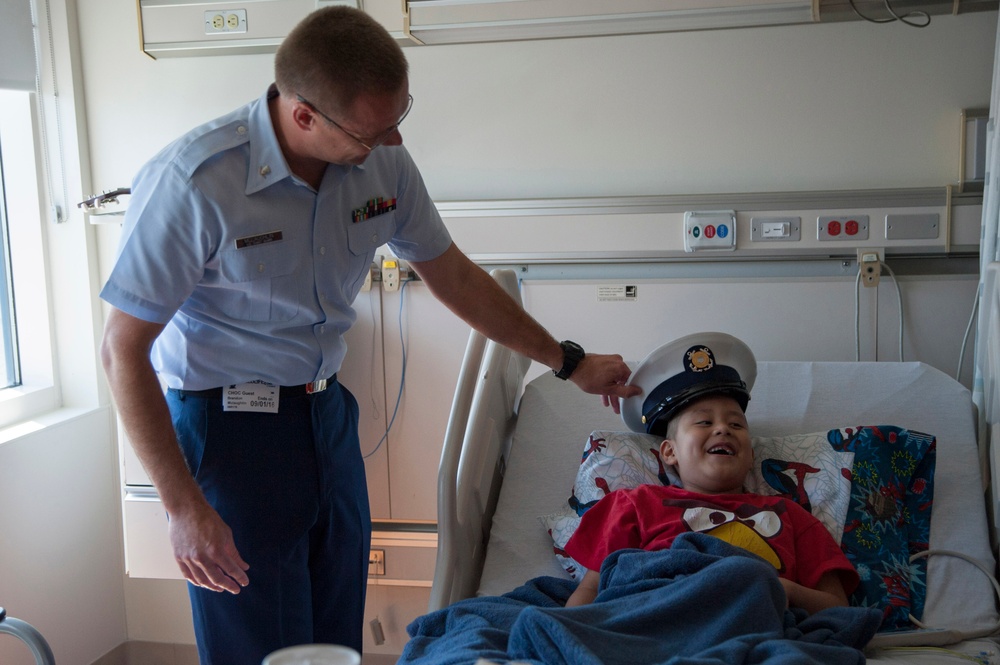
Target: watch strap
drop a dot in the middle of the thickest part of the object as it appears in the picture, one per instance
(573, 353)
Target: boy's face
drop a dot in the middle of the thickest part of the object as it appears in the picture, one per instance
(710, 445)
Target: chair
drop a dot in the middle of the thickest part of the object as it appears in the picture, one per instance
(29, 635)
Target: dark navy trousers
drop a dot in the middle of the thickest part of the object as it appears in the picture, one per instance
(292, 488)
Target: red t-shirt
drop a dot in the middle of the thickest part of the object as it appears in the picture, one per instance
(649, 517)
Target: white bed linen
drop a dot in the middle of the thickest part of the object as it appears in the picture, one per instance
(555, 418)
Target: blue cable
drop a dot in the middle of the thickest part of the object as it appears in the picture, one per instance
(402, 375)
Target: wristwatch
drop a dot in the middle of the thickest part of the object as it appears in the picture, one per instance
(572, 355)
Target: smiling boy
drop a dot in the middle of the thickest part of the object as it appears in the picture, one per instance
(696, 397)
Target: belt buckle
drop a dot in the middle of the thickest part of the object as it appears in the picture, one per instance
(316, 386)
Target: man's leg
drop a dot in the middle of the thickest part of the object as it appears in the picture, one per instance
(260, 472)
(341, 537)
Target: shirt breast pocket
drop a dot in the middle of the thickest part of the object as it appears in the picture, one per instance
(363, 238)
(261, 284)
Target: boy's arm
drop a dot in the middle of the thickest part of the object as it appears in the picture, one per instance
(829, 592)
(586, 591)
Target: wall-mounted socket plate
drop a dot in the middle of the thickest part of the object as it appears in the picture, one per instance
(225, 21)
(842, 227)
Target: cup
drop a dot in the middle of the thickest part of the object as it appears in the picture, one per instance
(314, 654)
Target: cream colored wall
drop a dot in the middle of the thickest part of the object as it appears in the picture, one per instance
(60, 548)
(829, 106)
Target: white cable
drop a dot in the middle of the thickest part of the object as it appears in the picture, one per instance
(857, 317)
(965, 635)
(965, 339)
(899, 301)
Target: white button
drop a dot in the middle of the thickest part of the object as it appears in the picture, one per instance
(260, 267)
(241, 130)
(264, 170)
(374, 237)
(322, 328)
(322, 250)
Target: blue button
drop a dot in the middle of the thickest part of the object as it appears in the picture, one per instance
(722, 230)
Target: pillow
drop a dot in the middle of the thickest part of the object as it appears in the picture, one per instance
(807, 469)
(888, 520)
(611, 461)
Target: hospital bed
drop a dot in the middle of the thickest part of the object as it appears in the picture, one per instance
(512, 452)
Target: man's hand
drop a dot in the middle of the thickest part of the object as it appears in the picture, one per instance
(605, 375)
(205, 551)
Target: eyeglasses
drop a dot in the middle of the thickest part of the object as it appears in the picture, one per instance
(372, 143)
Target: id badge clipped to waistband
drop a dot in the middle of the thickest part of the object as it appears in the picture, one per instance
(259, 396)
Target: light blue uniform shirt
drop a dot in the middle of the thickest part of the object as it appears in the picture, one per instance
(252, 271)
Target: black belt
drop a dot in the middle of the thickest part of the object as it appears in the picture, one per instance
(283, 391)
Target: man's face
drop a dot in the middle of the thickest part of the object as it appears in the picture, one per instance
(710, 446)
(370, 121)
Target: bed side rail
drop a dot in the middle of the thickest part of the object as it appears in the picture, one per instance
(482, 412)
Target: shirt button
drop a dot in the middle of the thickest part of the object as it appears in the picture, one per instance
(264, 170)
(260, 267)
(322, 328)
(322, 250)
(374, 237)
(241, 129)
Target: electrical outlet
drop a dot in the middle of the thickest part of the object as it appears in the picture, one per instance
(870, 265)
(848, 227)
(376, 562)
(225, 21)
(390, 274)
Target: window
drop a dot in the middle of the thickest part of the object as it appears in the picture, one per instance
(10, 372)
(26, 379)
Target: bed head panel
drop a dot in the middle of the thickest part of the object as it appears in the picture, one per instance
(788, 398)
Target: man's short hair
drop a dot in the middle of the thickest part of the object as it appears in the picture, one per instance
(335, 54)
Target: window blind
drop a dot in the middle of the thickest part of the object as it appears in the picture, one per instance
(17, 37)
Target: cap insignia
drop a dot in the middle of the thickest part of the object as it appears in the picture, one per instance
(700, 359)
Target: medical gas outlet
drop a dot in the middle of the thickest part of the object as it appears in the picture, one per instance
(710, 230)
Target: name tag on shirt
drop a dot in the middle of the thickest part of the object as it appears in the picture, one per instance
(251, 396)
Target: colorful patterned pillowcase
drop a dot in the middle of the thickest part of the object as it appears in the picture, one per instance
(889, 517)
(807, 469)
(611, 461)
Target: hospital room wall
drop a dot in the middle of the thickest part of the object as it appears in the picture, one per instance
(827, 107)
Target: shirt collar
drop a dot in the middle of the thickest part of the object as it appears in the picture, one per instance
(267, 163)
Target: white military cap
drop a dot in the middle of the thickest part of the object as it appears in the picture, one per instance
(677, 373)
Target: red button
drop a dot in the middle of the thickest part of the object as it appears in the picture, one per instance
(833, 228)
(851, 228)
(709, 231)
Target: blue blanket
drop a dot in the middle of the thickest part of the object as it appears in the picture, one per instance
(703, 602)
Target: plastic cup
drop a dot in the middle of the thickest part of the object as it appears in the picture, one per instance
(314, 654)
